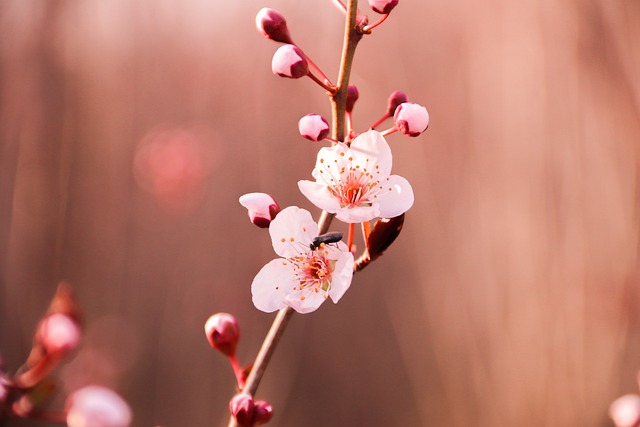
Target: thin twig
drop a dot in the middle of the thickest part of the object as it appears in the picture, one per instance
(338, 103)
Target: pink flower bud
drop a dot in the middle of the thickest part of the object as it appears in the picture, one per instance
(313, 127)
(58, 333)
(223, 333)
(382, 6)
(395, 99)
(273, 26)
(411, 119)
(352, 97)
(262, 412)
(95, 406)
(289, 61)
(242, 408)
(262, 208)
(625, 411)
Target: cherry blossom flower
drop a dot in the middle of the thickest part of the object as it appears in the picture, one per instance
(303, 278)
(313, 127)
(289, 61)
(411, 119)
(355, 182)
(96, 406)
(262, 208)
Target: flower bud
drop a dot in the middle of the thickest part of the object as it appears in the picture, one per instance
(625, 411)
(395, 99)
(262, 412)
(223, 333)
(58, 333)
(272, 25)
(289, 61)
(382, 6)
(384, 233)
(262, 208)
(352, 97)
(411, 119)
(242, 408)
(313, 127)
(95, 406)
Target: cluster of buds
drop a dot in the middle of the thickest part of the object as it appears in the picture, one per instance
(223, 334)
(248, 412)
(27, 393)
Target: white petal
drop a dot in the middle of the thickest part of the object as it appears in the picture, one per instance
(271, 284)
(326, 163)
(398, 200)
(358, 214)
(341, 276)
(292, 231)
(372, 145)
(258, 203)
(319, 195)
(310, 302)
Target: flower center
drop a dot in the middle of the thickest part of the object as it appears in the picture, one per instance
(313, 271)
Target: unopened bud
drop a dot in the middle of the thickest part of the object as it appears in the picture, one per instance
(223, 333)
(58, 333)
(262, 208)
(411, 119)
(313, 127)
(97, 406)
(272, 25)
(352, 97)
(384, 232)
(289, 61)
(242, 408)
(382, 6)
(625, 411)
(262, 412)
(395, 99)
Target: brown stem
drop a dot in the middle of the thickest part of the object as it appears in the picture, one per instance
(352, 36)
(338, 103)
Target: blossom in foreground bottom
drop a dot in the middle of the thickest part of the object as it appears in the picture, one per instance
(95, 406)
(355, 182)
(303, 278)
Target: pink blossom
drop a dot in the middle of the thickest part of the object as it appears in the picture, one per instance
(289, 61)
(96, 406)
(223, 333)
(355, 182)
(313, 127)
(58, 333)
(262, 208)
(625, 411)
(241, 407)
(411, 119)
(302, 278)
(272, 25)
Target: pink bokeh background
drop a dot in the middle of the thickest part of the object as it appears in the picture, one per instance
(128, 130)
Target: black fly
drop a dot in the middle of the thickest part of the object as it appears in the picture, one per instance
(332, 237)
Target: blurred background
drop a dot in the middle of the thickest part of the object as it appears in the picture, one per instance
(128, 130)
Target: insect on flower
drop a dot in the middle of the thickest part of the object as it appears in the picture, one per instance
(333, 237)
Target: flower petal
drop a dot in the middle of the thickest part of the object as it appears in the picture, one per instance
(358, 214)
(398, 200)
(292, 231)
(341, 276)
(371, 145)
(270, 285)
(305, 302)
(319, 195)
